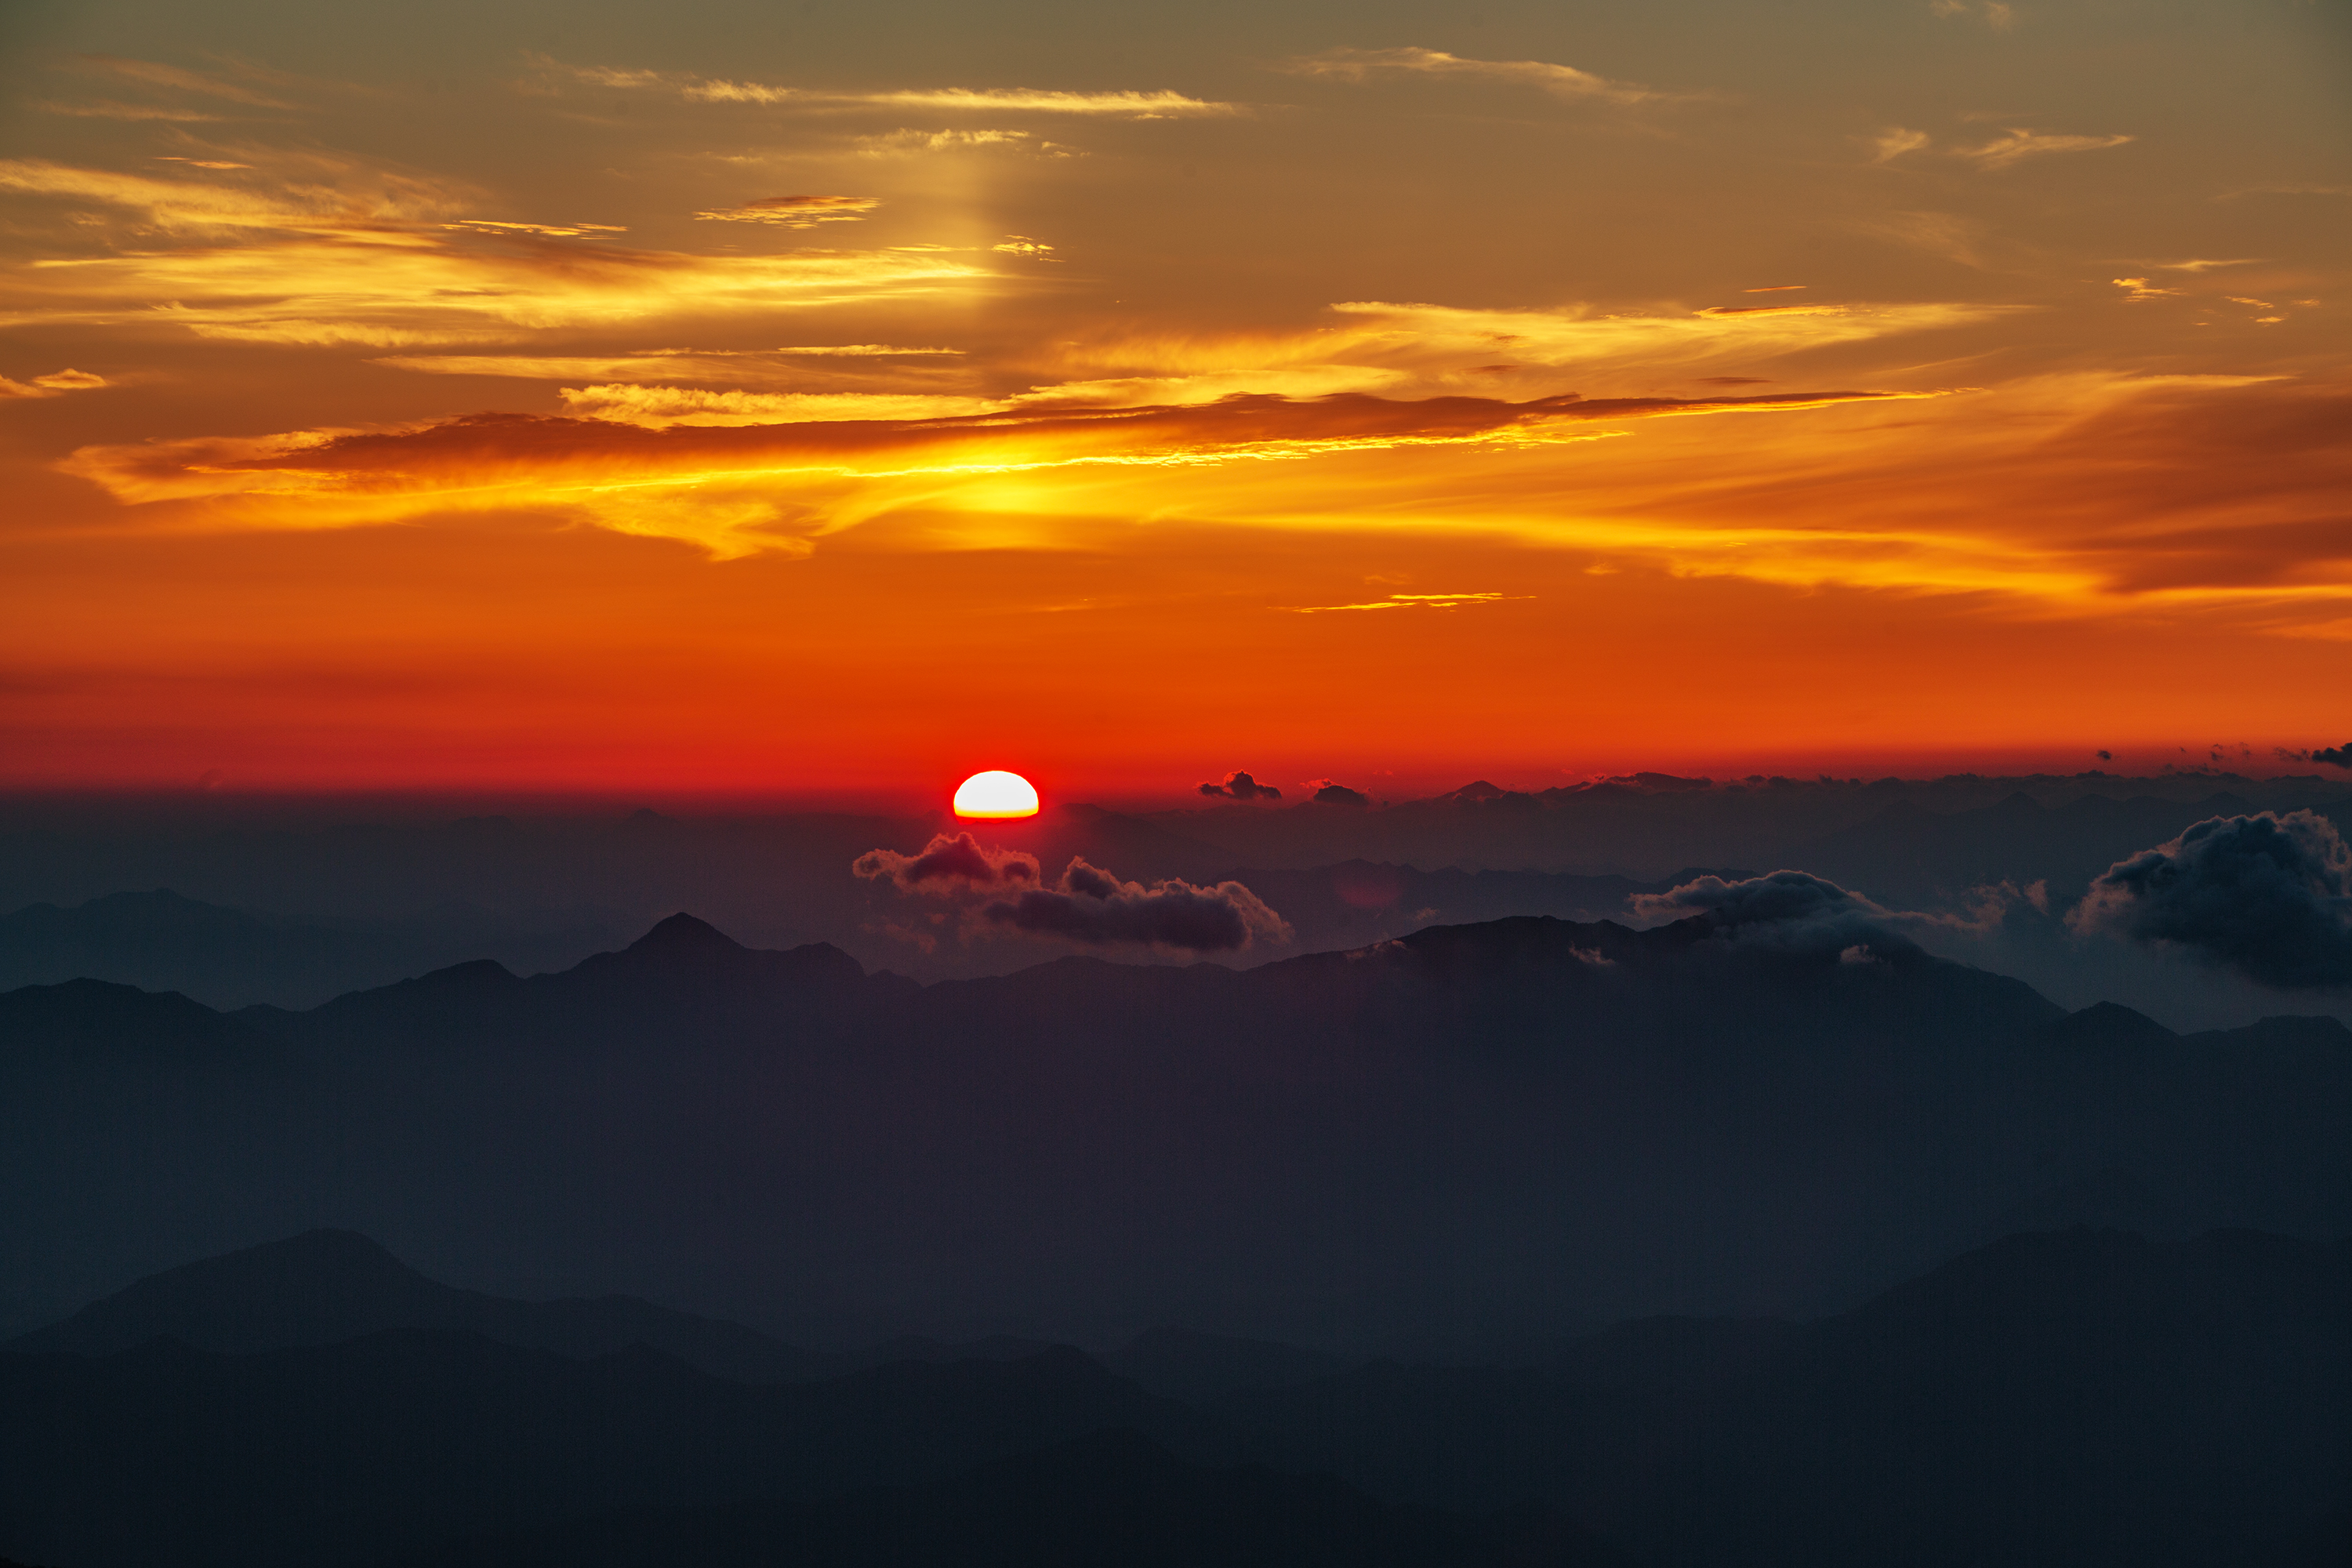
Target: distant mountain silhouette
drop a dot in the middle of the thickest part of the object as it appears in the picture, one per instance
(166, 1457)
(325, 1287)
(1197, 1368)
(1472, 1132)
(2082, 1398)
(229, 957)
(94, 1023)
(1111, 1497)
(1360, 901)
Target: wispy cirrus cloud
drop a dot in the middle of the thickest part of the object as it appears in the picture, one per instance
(659, 407)
(1560, 81)
(744, 366)
(1413, 602)
(355, 255)
(2017, 143)
(904, 142)
(57, 384)
(550, 230)
(1117, 104)
(796, 212)
(152, 73)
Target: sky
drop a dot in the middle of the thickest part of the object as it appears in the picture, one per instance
(806, 398)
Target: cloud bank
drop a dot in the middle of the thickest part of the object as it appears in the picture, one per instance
(1085, 904)
(1091, 906)
(951, 863)
(2266, 895)
(1239, 785)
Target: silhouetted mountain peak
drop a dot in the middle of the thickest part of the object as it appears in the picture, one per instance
(319, 1286)
(682, 934)
(2110, 1025)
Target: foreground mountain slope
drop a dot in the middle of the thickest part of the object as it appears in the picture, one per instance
(2081, 1397)
(166, 1457)
(325, 1287)
(1111, 1496)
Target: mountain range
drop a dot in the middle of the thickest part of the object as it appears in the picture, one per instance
(1459, 1141)
(2081, 1397)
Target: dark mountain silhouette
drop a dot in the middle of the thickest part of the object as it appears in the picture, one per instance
(94, 1023)
(1196, 1368)
(1461, 1139)
(1360, 901)
(166, 1457)
(1108, 1496)
(160, 941)
(325, 1287)
(2081, 1397)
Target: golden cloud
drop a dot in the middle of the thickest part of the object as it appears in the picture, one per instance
(1560, 81)
(1123, 104)
(659, 407)
(53, 384)
(796, 212)
(660, 466)
(2017, 143)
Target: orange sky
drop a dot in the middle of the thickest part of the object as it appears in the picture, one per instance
(750, 400)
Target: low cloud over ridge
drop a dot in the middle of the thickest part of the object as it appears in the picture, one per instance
(1797, 911)
(1239, 785)
(1085, 904)
(1092, 906)
(2266, 895)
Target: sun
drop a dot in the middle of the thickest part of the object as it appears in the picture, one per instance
(996, 794)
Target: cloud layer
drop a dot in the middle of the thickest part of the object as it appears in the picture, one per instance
(949, 866)
(2268, 895)
(1091, 906)
(1239, 785)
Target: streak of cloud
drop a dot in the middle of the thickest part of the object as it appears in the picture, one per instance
(1412, 602)
(2016, 144)
(152, 73)
(1124, 104)
(371, 258)
(796, 212)
(1560, 81)
(57, 384)
(491, 460)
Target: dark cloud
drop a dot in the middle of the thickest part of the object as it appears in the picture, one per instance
(1796, 911)
(2334, 756)
(1330, 791)
(2106, 756)
(2267, 895)
(1090, 905)
(1239, 785)
(949, 865)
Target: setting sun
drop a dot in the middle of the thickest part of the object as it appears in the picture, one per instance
(996, 793)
